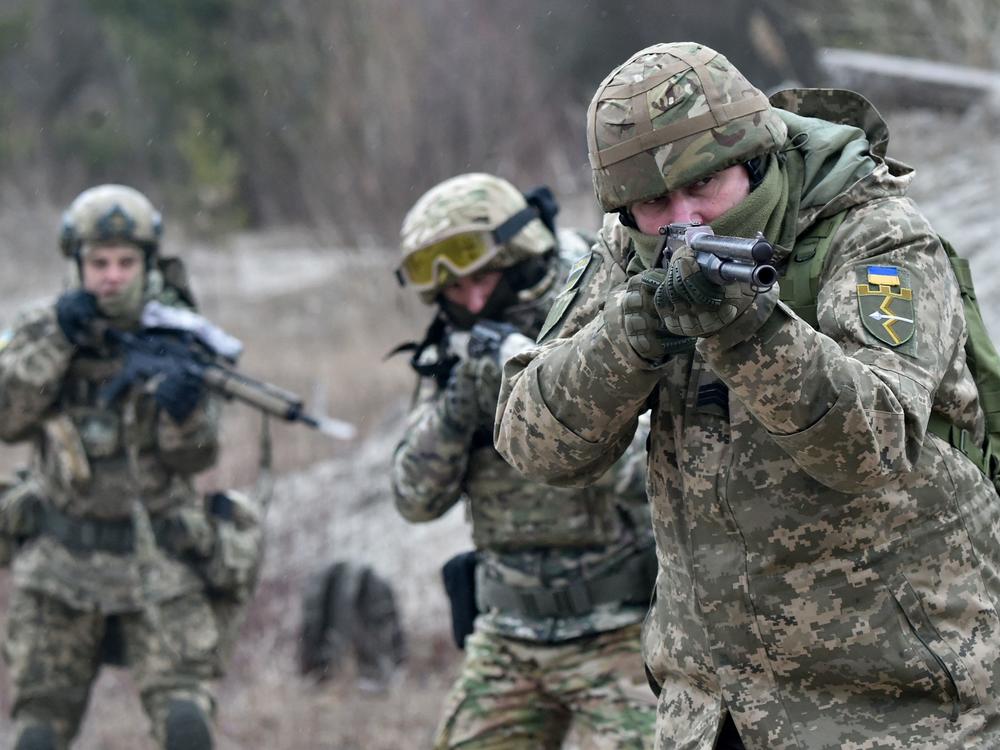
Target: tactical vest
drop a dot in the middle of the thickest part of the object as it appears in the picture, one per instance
(84, 447)
(509, 512)
(800, 291)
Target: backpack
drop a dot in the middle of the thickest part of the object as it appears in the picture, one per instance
(347, 607)
(800, 290)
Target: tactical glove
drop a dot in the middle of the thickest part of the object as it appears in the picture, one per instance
(497, 341)
(76, 312)
(178, 394)
(469, 399)
(647, 335)
(691, 305)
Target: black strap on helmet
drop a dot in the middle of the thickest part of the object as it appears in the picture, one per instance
(625, 217)
(755, 170)
(541, 205)
(542, 199)
(506, 231)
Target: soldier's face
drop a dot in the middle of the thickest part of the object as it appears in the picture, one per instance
(473, 291)
(701, 202)
(108, 269)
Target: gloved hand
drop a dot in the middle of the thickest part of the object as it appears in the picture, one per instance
(178, 394)
(691, 305)
(76, 311)
(646, 332)
(470, 397)
(496, 341)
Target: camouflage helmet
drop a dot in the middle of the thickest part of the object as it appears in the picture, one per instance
(110, 213)
(670, 115)
(476, 202)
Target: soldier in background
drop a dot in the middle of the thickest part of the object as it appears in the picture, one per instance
(561, 578)
(824, 511)
(108, 536)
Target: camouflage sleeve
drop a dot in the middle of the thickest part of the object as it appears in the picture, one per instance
(850, 403)
(193, 445)
(429, 464)
(568, 409)
(32, 365)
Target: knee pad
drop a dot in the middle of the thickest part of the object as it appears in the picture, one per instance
(187, 727)
(37, 737)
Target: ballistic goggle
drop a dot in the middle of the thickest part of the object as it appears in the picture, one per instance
(463, 252)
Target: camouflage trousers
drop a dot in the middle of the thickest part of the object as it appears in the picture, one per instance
(515, 694)
(54, 653)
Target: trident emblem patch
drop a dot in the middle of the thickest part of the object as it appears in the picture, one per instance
(885, 302)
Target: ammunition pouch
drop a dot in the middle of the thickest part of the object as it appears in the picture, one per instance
(232, 567)
(459, 575)
(629, 582)
(20, 515)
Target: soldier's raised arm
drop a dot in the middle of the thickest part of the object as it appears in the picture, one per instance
(569, 407)
(34, 355)
(432, 458)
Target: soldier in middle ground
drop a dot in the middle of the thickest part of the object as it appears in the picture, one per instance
(563, 577)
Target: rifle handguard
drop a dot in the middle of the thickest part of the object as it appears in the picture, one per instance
(267, 398)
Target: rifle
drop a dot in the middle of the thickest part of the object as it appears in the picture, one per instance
(723, 259)
(154, 352)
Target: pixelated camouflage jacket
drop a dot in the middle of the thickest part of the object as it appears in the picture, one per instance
(82, 468)
(828, 569)
(529, 535)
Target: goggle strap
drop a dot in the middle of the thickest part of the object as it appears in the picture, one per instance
(506, 231)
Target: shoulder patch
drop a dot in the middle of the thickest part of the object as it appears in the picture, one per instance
(885, 303)
(565, 298)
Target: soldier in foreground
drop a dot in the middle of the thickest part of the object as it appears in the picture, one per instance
(563, 577)
(107, 532)
(826, 524)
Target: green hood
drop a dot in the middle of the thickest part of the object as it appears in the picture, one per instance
(842, 140)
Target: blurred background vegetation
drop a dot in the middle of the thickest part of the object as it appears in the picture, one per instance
(249, 114)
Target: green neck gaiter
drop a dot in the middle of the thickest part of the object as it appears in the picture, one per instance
(646, 247)
(761, 211)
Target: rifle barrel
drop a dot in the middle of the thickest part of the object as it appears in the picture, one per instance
(750, 249)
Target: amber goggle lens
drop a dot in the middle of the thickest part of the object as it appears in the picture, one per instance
(461, 254)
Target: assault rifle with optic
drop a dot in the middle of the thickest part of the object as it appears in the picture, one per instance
(176, 340)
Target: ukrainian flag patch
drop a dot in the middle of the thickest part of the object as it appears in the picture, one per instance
(883, 276)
